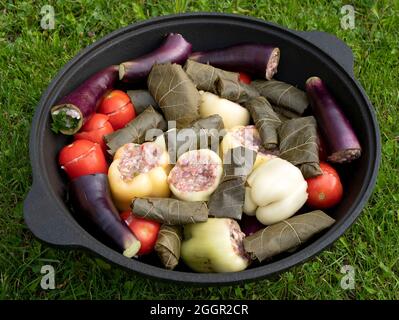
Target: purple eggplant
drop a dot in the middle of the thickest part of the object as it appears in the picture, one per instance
(174, 49)
(343, 145)
(90, 196)
(72, 111)
(257, 59)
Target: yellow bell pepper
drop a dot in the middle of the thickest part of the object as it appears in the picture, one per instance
(136, 172)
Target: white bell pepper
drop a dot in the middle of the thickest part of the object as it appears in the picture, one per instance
(276, 190)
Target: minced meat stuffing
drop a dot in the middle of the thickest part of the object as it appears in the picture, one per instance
(248, 137)
(194, 171)
(138, 159)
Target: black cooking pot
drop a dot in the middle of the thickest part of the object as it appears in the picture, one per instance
(303, 54)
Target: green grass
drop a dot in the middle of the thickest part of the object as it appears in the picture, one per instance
(30, 57)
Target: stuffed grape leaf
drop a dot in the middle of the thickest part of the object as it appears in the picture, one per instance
(223, 83)
(205, 76)
(205, 133)
(168, 245)
(141, 99)
(286, 235)
(170, 211)
(299, 145)
(227, 201)
(266, 121)
(137, 130)
(283, 95)
(175, 93)
(235, 90)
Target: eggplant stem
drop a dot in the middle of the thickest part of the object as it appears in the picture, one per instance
(132, 250)
(122, 71)
(311, 79)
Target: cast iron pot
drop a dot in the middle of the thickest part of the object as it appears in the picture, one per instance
(303, 54)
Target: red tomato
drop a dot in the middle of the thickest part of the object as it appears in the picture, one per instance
(325, 191)
(245, 78)
(118, 107)
(82, 157)
(145, 230)
(95, 129)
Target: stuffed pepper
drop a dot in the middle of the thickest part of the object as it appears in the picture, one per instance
(138, 170)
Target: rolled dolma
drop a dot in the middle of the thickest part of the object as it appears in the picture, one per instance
(286, 235)
(223, 83)
(141, 99)
(283, 95)
(298, 145)
(235, 90)
(228, 199)
(205, 133)
(170, 211)
(214, 121)
(285, 114)
(137, 131)
(175, 93)
(205, 76)
(168, 245)
(266, 121)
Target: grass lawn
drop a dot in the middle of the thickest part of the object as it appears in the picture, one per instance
(30, 57)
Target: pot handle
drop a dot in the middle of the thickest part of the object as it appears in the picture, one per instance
(41, 217)
(331, 45)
